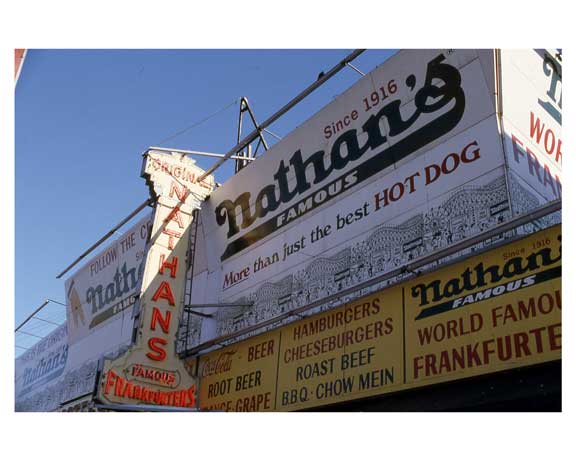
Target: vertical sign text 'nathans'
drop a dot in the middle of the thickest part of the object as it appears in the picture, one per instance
(151, 372)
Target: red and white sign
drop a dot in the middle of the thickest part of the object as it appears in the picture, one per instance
(100, 295)
(532, 120)
(151, 372)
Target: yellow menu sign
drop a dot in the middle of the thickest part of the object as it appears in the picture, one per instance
(495, 311)
(349, 352)
(240, 377)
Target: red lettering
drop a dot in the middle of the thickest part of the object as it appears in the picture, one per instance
(163, 321)
(455, 160)
(410, 180)
(175, 216)
(155, 344)
(164, 291)
(536, 128)
(432, 173)
(430, 361)
(110, 378)
(516, 150)
(537, 332)
(171, 234)
(549, 142)
(555, 338)
(533, 164)
(173, 266)
(127, 392)
(381, 199)
(424, 335)
(521, 344)
(181, 193)
(119, 385)
(417, 366)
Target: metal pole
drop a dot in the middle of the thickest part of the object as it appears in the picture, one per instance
(191, 152)
(252, 136)
(200, 314)
(47, 321)
(56, 302)
(219, 305)
(255, 123)
(239, 133)
(356, 69)
(239, 164)
(31, 334)
(107, 236)
(245, 107)
(272, 134)
(32, 314)
(537, 213)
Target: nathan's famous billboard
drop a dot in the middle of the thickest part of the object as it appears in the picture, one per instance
(496, 311)
(99, 296)
(406, 161)
(38, 369)
(492, 312)
(532, 122)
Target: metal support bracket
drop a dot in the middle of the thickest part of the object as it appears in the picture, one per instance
(245, 154)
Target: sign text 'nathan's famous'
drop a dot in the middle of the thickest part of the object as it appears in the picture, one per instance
(100, 294)
(440, 94)
(150, 372)
(491, 312)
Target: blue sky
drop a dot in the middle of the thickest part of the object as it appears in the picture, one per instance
(84, 117)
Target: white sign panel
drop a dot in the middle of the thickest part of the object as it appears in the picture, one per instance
(38, 368)
(99, 296)
(396, 196)
(406, 161)
(532, 116)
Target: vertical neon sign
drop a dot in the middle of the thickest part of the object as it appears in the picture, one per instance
(151, 372)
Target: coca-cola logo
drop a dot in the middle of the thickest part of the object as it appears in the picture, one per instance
(219, 364)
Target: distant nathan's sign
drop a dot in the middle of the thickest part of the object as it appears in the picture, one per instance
(101, 293)
(150, 371)
(41, 365)
(406, 161)
(532, 121)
